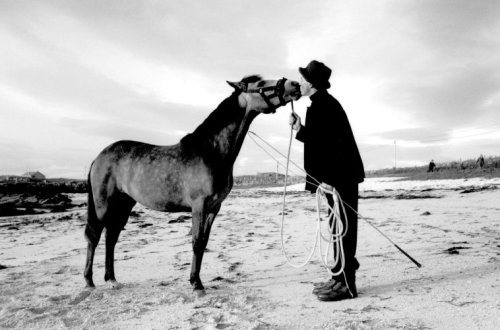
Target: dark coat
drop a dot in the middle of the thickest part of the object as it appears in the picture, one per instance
(330, 151)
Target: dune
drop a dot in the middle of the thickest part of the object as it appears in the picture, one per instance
(454, 235)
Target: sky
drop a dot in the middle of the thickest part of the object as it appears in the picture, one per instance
(419, 80)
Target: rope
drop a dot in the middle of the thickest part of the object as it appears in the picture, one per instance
(336, 231)
(336, 227)
(335, 222)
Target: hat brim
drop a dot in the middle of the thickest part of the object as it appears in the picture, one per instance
(306, 76)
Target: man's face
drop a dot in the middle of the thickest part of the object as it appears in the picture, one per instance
(305, 87)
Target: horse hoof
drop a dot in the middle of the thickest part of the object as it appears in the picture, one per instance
(114, 285)
(199, 293)
(89, 287)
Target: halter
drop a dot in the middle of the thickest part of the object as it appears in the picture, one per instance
(278, 91)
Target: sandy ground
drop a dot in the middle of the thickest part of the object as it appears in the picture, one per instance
(452, 227)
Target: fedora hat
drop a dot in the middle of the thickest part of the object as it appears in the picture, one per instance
(317, 74)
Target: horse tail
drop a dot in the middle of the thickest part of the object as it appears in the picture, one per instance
(94, 226)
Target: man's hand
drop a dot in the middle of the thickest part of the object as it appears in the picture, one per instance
(326, 186)
(294, 121)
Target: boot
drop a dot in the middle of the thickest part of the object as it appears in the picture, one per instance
(327, 286)
(345, 289)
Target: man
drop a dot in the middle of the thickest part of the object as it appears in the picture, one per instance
(432, 165)
(331, 156)
(480, 161)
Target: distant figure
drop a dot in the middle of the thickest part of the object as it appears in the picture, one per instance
(432, 166)
(480, 161)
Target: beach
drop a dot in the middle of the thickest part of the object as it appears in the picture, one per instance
(452, 227)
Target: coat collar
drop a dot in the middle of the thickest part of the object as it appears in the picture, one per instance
(321, 93)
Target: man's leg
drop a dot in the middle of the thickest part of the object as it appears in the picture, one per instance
(344, 285)
(349, 195)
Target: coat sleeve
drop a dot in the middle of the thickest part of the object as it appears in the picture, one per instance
(302, 134)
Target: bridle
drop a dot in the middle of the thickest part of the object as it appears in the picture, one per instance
(278, 91)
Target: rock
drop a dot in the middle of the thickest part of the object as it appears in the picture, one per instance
(180, 219)
(454, 249)
(28, 203)
(476, 189)
(135, 214)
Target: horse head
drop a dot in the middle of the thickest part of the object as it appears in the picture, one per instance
(265, 95)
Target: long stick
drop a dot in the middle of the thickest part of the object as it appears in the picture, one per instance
(387, 237)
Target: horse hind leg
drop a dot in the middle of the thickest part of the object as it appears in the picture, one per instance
(92, 234)
(93, 231)
(116, 219)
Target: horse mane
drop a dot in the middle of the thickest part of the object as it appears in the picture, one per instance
(228, 111)
(251, 79)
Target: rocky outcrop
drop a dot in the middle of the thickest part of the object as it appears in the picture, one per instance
(18, 204)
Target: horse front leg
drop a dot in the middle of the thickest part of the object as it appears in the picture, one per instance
(202, 223)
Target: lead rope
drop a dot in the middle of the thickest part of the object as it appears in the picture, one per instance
(253, 135)
(336, 228)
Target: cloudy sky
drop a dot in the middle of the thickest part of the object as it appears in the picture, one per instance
(76, 76)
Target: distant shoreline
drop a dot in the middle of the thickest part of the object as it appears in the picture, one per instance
(447, 171)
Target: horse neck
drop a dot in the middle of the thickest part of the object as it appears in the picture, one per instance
(229, 140)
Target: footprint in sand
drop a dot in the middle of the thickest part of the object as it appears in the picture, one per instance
(80, 297)
(38, 310)
(71, 322)
(59, 298)
(270, 246)
(182, 266)
(234, 265)
(62, 270)
(222, 279)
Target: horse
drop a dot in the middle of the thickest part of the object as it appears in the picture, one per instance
(195, 175)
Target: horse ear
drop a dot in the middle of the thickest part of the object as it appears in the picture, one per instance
(232, 84)
(236, 85)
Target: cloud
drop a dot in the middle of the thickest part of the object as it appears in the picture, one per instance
(77, 75)
(215, 38)
(420, 134)
(453, 99)
(429, 62)
(454, 69)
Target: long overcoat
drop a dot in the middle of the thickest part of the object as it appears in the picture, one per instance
(330, 151)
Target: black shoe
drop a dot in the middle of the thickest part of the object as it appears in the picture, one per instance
(326, 286)
(342, 292)
(346, 280)
(319, 287)
(326, 290)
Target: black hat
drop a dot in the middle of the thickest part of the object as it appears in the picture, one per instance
(317, 74)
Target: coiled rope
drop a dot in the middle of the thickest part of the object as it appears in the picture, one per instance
(336, 228)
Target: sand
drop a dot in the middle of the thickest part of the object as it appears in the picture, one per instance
(452, 227)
